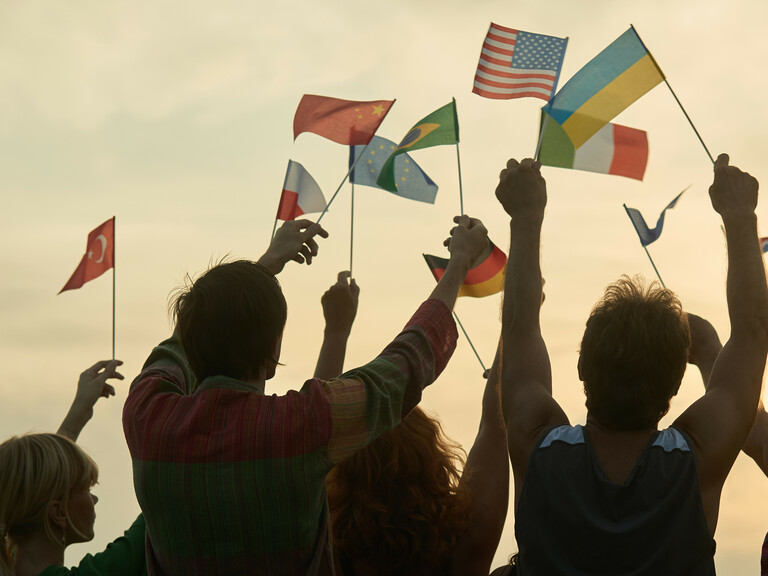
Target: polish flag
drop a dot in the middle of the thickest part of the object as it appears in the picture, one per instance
(301, 194)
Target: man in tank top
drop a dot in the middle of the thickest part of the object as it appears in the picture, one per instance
(616, 495)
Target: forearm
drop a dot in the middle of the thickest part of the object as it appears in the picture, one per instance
(525, 354)
(756, 445)
(330, 361)
(447, 288)
(74, 421)
(747, 292)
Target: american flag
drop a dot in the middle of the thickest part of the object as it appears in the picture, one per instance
(516, 64)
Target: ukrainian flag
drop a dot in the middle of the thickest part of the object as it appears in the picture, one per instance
(608, 84)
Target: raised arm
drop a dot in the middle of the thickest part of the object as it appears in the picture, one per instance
(526, 377)
(91, 386)
(705, 348)
(486, 475)
(339, 308)
(368, 400)
(719, 422)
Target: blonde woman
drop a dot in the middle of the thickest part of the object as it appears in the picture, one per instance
(46, 502)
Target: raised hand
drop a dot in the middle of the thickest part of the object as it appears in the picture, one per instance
(294, 240)
(91, 386)
(522, 190)
(733, 192)
(468, 239)
(340, 303)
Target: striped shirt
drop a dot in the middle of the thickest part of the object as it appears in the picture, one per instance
(232, 481)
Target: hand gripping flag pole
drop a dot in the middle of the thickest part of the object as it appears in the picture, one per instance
(675, 96)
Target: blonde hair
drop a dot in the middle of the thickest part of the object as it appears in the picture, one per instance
(35, 470)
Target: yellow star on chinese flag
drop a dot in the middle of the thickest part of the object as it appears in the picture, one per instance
(378, 110)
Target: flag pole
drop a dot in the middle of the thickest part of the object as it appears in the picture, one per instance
(351, 168)
(351, 227)
(456, 317)
(114, 273)
(458, 163)
(548, 105)
(674, 95)
(274, 227)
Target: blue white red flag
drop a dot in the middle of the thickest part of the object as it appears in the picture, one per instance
(516, 64)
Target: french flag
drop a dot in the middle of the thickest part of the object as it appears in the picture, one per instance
(301, 194)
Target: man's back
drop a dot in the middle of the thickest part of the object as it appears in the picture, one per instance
(572, 519)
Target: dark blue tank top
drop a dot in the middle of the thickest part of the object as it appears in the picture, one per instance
(572, 520)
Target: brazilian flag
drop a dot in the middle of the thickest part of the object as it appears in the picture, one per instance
(440, 127)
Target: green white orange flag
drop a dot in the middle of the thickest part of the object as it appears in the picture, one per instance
(439, 128)
(614, 149)
(484, 279)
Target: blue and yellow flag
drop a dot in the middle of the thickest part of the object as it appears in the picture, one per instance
(412, 182)
(606, 86)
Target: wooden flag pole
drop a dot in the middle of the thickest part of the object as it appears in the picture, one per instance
(456, 317)
(675, 96)
(274, 227)
(351, 227)
(114, 273)
(351, 168)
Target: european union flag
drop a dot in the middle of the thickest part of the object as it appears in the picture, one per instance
(412, 182)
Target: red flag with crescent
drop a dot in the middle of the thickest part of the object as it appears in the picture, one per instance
(98, 258)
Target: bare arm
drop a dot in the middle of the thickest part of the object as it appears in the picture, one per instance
(526, 377)
(91, 386)
(339, 308)
(719, 422)
(486, 475)
(705, 348)
(468, 240)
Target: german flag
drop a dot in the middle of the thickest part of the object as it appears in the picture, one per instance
(483, 280)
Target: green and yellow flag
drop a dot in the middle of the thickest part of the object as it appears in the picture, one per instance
(440, 127)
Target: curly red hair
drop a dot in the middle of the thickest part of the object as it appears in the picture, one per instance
(398, 505)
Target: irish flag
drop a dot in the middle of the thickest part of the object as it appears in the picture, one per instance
(614, 149)
(301, 194)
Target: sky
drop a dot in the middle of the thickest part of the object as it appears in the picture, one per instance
(177, 119)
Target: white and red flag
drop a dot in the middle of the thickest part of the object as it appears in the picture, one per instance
(301, 194)
(516, 64)
(98, 258)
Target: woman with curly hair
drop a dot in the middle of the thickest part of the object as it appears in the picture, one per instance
(408, 503)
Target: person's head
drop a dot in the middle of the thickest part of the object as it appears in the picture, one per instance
(397, 504)
(633, 354)
(230, 321)
(45, 482)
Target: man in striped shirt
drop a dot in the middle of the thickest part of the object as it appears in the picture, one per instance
(231, 480)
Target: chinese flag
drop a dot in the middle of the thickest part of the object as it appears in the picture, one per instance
(98, 258)
(343, 121)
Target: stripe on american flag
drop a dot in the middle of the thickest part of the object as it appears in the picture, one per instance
(495, 77)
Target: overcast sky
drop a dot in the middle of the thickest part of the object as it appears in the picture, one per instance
(176, 117)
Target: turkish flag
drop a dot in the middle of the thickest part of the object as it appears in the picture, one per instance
(344, 121)
(98, 258)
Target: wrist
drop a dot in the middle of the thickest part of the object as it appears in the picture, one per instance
(460, 261)
(337, 331)
(739, 219)
(273, 264)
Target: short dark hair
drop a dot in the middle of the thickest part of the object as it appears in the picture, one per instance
(230, 319)
(633, 354)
